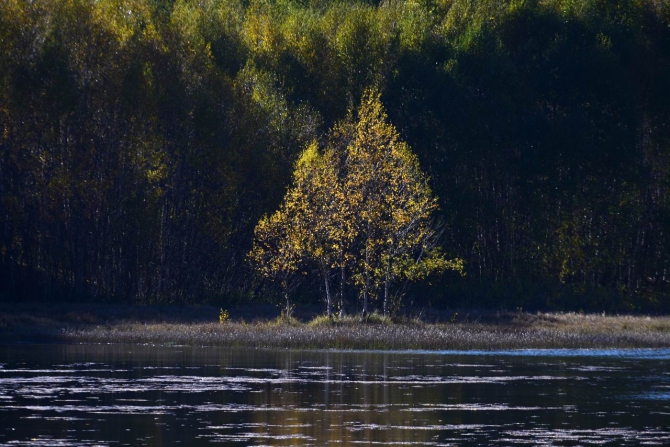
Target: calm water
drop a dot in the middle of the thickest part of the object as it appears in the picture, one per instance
(75, 395)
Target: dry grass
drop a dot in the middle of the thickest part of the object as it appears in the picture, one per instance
(597, 323)
(483, 330)
(546, 331)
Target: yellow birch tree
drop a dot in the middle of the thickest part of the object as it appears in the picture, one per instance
(393, 204)
(363, 204)
(276, 253)
(317, 196)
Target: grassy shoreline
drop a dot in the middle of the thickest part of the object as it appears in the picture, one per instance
(199, 326)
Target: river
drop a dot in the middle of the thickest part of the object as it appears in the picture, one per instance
(116, 395)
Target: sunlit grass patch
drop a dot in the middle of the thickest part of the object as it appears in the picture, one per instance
(351, 320)
(377, 318)
(285, 320)
(321, 320)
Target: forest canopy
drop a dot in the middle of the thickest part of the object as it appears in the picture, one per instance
(141, 141)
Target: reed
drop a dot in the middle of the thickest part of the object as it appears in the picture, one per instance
(463, 330)
(321, 335)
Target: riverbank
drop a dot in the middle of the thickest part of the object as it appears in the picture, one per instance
(199, 326)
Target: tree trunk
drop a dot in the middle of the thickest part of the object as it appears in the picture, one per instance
(342, 281)
(329, 301)
(387, 280)
(287, 312)
(367, 282)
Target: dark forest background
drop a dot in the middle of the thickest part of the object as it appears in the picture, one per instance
(142, 140)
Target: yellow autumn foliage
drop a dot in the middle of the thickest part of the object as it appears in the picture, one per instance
(360, 205)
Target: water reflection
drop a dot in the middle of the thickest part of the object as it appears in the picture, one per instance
(141, 395)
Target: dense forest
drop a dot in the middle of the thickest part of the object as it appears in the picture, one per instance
(142, 141)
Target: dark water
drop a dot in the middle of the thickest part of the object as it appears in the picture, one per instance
(100, 395)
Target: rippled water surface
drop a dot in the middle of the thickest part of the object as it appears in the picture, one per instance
(111, 395)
